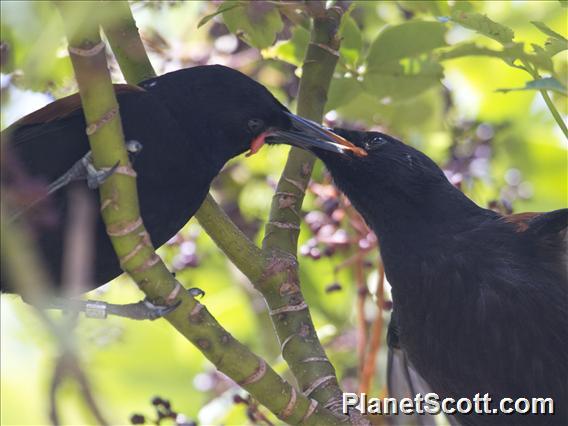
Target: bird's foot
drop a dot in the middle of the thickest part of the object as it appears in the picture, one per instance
(82, 169)
(95, 177)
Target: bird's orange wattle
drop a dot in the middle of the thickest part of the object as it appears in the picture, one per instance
(256, 144)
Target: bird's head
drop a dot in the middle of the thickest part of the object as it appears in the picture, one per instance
(236, 114)
(393, 180)
(388, 163)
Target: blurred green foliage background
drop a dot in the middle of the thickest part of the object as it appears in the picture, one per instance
(408, 79)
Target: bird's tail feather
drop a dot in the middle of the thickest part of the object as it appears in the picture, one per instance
(403, 381)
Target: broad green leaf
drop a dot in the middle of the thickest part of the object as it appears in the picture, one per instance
(483, 25)
(256, 22)
(551, 48)
(405, 40)
(554, 46)
(292, 51)
(548, 31)
(397, 83)
(547, 83)
(463, 6)
(223, 8)
(35, 45)
(341, 91)
(556, 43)
(351, 41)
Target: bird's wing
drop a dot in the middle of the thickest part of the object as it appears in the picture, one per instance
(552, 222)
(46, 150)
(64, 107)
(548, 233)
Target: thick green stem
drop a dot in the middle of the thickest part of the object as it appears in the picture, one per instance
(238, 248)
(126, 44)
(280, 285)
(120, 211)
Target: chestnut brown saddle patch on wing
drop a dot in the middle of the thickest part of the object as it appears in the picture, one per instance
(521, 220)
(63, 107)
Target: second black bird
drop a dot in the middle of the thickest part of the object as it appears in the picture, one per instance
(480, 300)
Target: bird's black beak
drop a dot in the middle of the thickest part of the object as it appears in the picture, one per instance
(307, 135)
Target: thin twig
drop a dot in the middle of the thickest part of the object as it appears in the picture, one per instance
(362, 331)
(370, 364)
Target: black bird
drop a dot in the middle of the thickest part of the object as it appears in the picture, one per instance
(188, 124)
(480, 300)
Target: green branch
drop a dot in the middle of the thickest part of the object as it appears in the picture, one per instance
(120, 211)
(125, 42)
(281, 287)
(238, 248)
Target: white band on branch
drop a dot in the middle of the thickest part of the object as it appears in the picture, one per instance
(289, 308)
(92, 51)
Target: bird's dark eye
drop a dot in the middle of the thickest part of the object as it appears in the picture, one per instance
(255, 125)
(374, 143)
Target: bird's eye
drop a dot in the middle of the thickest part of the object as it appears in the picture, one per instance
(255, 125)
(374, 143)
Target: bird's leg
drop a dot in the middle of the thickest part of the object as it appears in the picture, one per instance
(84, 169)
(142, 310)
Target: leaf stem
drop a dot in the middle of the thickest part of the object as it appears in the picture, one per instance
(551, 107)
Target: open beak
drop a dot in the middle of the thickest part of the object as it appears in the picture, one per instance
(306, 134)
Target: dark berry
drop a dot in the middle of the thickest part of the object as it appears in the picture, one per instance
(137, 419)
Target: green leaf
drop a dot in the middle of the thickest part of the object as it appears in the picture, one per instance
(341, 91)
(547, 83)
(397, 83)
(463, 6)
(405, 40)
(548, 31)
(223, 8)
(292, 51)
(483, 25)
(256, 22)
(554, 46)
(556, 43)
(352, 41)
